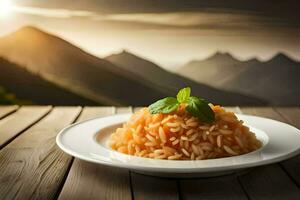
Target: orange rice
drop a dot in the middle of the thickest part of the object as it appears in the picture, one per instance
(180, 136)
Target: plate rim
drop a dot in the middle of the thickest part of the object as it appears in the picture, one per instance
(173, 170)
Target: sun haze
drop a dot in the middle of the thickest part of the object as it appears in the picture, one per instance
(6, 8)
(171, 34)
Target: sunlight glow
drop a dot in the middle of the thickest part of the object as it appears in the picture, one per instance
(6, 7)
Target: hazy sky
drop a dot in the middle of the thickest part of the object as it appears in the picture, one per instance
(165, 31)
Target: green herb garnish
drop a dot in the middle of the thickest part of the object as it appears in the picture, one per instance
(166, 105)
(199, 108)
(184, 95)
(196, 106)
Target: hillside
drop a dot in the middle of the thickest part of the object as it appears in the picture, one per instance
(66, 65)
(161, 78)
(26, 85)
(8, 98)
(216, 69)
(275, 81)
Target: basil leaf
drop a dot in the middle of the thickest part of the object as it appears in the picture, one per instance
(165, 105)
(199, 108)
(184, 94)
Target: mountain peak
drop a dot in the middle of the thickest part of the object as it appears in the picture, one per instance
(253, 60)
(281, 57)
(29, 29)
(221, 54)
(28, 32)
(125, 52)
(222, 57)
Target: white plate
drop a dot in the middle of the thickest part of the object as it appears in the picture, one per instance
(88, 141)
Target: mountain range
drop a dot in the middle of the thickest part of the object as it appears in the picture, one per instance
(66, 65)
(122, 79)
(29, 86)
(219, 67)
(160, 78)
(276, 80)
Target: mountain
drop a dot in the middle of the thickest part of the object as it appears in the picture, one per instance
(160, 78)
(276, 81)
(8, 98)
(66, 65)
(215, 70)
(29, 86)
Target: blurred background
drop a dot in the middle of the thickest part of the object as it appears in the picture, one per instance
(132, 52)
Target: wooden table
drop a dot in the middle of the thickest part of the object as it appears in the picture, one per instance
(33, 167)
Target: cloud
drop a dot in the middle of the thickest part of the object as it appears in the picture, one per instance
(175, 20)
(280, 13)
(58, 13)
(204, 16)
(287, 8)
(186, 19)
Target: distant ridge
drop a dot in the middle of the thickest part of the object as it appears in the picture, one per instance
(29, 86)
(281, 58)
(214, 70)
(275, 80)
(222, 57)
(109, 81)
(161, 78)
(68, 66)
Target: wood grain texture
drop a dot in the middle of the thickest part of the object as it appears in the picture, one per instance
(91, 181)
(6, 110)
(292, 166)
(224, 187)
(94, 112)
(149, 187)
(32, 166)
(271, 181)
(14, 124)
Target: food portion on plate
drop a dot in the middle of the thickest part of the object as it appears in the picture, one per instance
(184, 128)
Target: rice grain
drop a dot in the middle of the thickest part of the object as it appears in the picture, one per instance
(181, 136)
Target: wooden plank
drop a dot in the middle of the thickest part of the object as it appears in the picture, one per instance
(135, 109)
(144, 186)
(268, 182)
(93, 112)
(224, 187)
(6, 110)
(123, 110)
(234, 109)
(14, 124)
(32, 166)
(290, 115)
(267, 112)
(91, 181)
(148, 187)
(292, 166)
